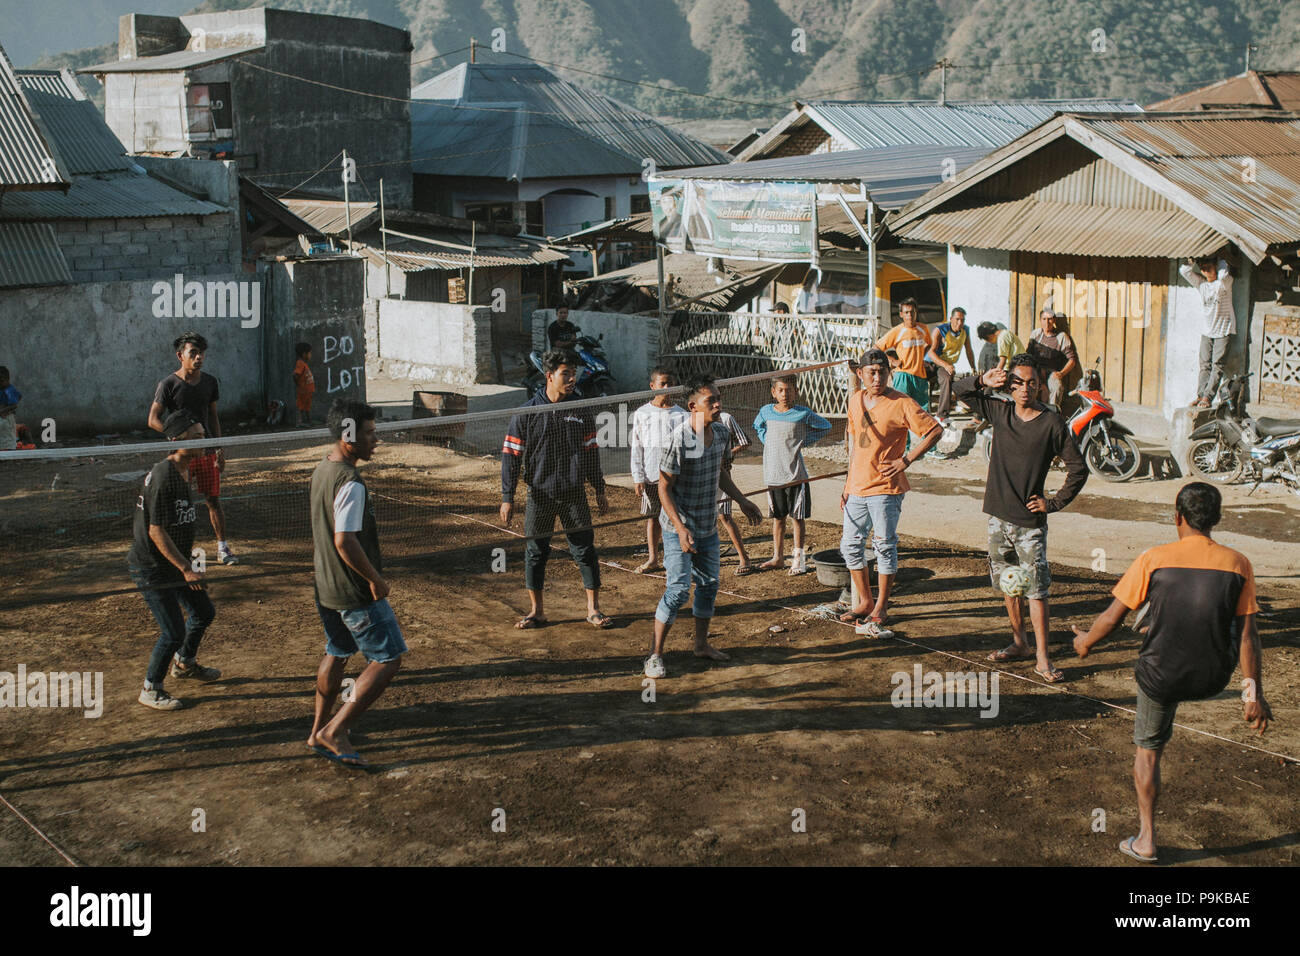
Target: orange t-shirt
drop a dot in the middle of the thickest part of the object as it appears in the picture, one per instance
(302, 372)
(910, 344)
(881, 440)
(1197, 588)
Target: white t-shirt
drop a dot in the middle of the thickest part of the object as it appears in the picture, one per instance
(651, 427)
(349, 507)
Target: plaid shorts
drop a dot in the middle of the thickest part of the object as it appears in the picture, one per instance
(1009, 545)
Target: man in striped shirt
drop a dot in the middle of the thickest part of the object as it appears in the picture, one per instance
(556, 453)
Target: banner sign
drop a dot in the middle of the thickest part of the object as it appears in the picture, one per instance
(739, 220)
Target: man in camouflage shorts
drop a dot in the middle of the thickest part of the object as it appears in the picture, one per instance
(1027, 436)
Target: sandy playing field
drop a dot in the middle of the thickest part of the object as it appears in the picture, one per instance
(552, 726)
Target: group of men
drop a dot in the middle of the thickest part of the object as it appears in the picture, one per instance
(1200, 594)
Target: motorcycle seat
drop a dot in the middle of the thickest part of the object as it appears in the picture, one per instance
(1277, 426)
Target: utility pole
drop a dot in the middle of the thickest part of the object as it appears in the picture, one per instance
(943, 80)
(473, 48)
(347, 208)
(1249, 47)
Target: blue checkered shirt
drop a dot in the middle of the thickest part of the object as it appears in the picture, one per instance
(696, 469)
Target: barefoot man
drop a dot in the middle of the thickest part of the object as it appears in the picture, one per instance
(880, 419)
(690, 474)
(351, 593)
(556, 453)
(1202, 625)
(1027, 436)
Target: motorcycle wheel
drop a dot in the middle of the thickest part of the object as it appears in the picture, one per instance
(1210, 458)
(1120, 468)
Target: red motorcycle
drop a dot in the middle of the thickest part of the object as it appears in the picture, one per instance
(1106, 445)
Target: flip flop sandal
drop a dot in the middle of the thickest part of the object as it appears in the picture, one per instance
(1002, 656)
(1054, 676)
(529, 623)
(353, 761)
(741, 572)
(1126, 847)
(601, 622)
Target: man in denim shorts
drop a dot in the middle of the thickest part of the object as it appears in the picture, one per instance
(351, 593)
(1027, 436)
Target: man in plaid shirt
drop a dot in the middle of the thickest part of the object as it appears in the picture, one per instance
(690, 475)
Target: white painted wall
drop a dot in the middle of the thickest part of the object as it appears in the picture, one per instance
(979, 281)
(432, 341)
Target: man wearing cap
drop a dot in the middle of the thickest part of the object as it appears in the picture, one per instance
(159, 564)
(880, 419)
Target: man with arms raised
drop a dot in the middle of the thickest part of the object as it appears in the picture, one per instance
(1202, 624)
(1027, 436)
(351, 593)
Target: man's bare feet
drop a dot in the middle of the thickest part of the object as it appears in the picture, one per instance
(773, 564)
(650, 565)
(1013, 652)
(711, 652)
(856, 613)
(341, 747)
(529, 622)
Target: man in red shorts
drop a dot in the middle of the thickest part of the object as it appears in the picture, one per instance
(196, 391)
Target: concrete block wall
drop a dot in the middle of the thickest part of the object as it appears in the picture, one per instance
(430, 341)
(124, 250)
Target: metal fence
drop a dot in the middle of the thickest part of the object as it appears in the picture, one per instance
(728, 344)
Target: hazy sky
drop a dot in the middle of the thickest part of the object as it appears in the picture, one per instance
(29, 28)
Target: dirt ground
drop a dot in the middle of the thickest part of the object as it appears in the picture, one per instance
(551, 726)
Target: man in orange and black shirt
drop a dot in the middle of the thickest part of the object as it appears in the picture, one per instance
(1202, 624)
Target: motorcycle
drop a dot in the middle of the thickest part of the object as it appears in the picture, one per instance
(1108, 448)
(594, 379)
(1234, 445)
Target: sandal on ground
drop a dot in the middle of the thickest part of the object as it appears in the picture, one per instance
(744, 570)
(529, 622)
(1052, 676)
(1126, 847)
(601, 622)
(647, 567)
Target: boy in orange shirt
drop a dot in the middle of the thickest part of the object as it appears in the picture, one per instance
(306, 385)
(880, 419)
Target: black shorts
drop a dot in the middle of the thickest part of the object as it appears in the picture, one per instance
(792, 501)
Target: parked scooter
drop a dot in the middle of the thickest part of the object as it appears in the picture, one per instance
(1235, 446)
(594, 379)
(1107, 447)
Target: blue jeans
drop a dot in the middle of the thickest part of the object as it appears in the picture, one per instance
(178, 633)
(702, 567)
(373, 630)
(863, 516)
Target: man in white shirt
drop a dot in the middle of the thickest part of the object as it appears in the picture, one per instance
(1213, 282)
(652, 423)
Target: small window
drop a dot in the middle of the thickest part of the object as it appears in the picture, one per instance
(640, 203)
(611, 207)
(208, 113)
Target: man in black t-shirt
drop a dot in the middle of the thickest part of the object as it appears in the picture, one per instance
(159, 563)
(195, 391)
(1027, 436)
(562, 334)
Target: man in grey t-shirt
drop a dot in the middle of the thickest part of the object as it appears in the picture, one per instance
(351, 593)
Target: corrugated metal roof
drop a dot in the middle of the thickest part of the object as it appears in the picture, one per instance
(30, 255)
(331, 216)
(106, 196)
(1231, 175)
(409, 261)
(1267, 90)
(628, 229)
(27, 160)
(76, 127)
(1068, 228)
(975, 123)
(171, 62)
(893, 176)
(567, 119)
